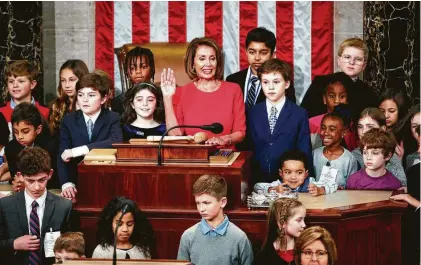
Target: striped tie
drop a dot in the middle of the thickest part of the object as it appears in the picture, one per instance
(251, 94)
(34, 256)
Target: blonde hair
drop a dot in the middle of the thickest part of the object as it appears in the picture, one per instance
(214, 185)
(311, 235)
(356, 43)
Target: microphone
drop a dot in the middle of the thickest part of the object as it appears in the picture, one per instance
(215, 128)
(123, 212)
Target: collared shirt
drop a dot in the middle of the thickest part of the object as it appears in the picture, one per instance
(247, 85)
(13, 103)
(278, 107)
(40, 208)
(93, 118)
(221, 229)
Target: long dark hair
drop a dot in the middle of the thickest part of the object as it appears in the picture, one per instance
(142, 235)
(129, 114)
(401, 99)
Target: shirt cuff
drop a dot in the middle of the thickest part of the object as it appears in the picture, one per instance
(418, 207)
(80, 151)
(67, 185)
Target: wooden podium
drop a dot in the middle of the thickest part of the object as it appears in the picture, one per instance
(366, 231)
(128, 262)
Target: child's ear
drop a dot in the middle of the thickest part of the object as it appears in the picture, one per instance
(306, 173)
(388, 156)
(51, 173)
(33, 84)
(324, 99)
(38, 129)
(383, 127)
(287, 83)
(104, 99)
(281, 174)
(223, 202)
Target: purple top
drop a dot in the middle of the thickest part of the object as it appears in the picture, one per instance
(360, 180)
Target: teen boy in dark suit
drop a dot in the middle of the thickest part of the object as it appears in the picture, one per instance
(260, 47)
(27, 216)
(90, 127)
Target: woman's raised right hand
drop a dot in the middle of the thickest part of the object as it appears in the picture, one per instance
(167, 82)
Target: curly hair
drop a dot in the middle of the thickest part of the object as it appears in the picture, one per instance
(32, 161)
(142, 53)
(311, 235)
(377, 138)
(129, 114)
(142, 235)
(280, 211)
(63, 105)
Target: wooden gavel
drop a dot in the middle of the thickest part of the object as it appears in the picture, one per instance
(198, 138)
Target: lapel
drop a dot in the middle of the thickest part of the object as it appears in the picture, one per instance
(242, 79)
(81, 126)
(23, 219)
(283, 117)
(48, 212)
(263, 123)
(100, 121)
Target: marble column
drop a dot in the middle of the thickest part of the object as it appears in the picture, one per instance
(392, 33)
(20, 24)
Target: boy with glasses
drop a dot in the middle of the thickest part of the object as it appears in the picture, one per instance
(352, 60)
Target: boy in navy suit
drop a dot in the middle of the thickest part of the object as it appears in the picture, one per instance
(276, 125)
(90, 127)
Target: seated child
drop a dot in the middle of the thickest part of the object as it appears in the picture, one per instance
(334, 95)
(140, 67)
(285, 224)
(374, 118)
(68, 246)
(276, 125)
(214, 240)
(143, 112)
(134, 235)
(90, 127)
(21, 80)
(28, 130)
(332, 162)
(293, 172)
(377, 147)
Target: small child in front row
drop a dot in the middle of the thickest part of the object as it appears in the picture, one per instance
(377, 147)
(143, 112)
(293, 174)
(276, 125)
(332, 162)
(93, 126)
(214, 240)
(285, 224)
(68, 246)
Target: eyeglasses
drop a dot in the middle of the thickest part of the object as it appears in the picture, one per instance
(319, 253)
(348, 59)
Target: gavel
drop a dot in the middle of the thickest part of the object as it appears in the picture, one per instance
(198, 138)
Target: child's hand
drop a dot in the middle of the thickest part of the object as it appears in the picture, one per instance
(315, 191)
(69, 193)
(399, 150)
(401, 197)
(282, 188)
(403, 189)
(168, 82)
(17, 183)
(66, 155)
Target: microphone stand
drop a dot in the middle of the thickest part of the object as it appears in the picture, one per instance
(165, 133)
(123, 212)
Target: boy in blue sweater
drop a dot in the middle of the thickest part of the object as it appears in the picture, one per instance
(214, 240)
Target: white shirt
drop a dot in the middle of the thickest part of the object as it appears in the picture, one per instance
(247, 85)
(278, 107)
(40, 208)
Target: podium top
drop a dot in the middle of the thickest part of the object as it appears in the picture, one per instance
(131, 262)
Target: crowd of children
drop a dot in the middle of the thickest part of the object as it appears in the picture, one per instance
(349, 142)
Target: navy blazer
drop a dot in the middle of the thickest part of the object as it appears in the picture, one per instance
(14, 224)
(291, 132)
(73, 133)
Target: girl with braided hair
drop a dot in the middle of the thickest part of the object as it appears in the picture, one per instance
(285, 223)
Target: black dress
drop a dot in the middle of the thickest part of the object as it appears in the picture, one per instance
(269, 256)
(130, 131)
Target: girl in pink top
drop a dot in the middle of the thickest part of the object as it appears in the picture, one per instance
(207, 99)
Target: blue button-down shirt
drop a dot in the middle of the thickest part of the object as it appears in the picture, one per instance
(13, 103)
(221, 229)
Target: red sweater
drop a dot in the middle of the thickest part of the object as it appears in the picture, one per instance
(7, 111)
(225, 105)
